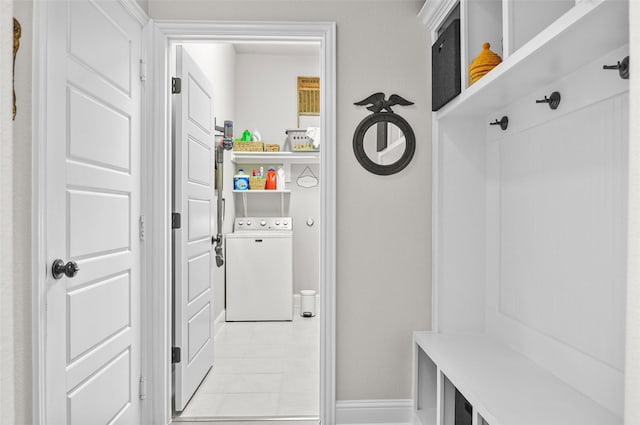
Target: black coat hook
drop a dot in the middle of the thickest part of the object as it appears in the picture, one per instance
(553, 100)
(503, 123)
(621, 66)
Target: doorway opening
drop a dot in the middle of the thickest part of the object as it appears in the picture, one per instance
(313, 338)
(265, 360)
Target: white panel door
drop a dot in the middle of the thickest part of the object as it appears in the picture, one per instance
(193, 199)
(92, 208)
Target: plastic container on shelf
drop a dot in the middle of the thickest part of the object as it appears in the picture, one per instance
(280, 179)
(271, 179)
(241, 181)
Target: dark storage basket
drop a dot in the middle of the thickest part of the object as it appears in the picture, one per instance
(445, 63)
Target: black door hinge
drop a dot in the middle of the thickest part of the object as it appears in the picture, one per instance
(175, 355)
(175, 220)
(176, 85)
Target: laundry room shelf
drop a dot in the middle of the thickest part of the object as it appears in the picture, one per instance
(276, 157)
(263, 191)
(245, 194)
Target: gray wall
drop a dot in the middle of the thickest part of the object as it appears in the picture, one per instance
(384, 223)
(266, 92)
(305, 204)
(15, 198)
(7, 357)
(144, 4)
(267, 100)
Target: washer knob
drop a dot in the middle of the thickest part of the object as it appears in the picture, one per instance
(277, 222)
(286, 222)
(263, 223)
(240, 223)
(248, 222)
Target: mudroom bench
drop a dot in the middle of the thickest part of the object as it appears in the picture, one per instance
(477, 379)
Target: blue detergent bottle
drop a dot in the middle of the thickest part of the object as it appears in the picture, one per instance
(241, 181)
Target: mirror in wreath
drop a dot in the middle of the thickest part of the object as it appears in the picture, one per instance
(384, 143)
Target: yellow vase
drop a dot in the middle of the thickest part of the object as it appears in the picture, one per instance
(485, 62)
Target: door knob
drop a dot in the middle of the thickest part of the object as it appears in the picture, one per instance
(59, 268)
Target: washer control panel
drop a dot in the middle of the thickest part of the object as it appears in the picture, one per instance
(262, 223)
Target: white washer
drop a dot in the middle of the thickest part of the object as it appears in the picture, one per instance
(259, 281)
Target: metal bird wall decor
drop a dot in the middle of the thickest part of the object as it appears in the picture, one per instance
(378, 102)
(378, 105)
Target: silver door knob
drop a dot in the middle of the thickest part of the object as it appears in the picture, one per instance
(59, 268)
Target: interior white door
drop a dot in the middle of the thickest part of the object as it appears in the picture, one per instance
(193, 199)
(92, 360)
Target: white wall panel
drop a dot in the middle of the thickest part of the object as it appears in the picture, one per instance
(85, 402)
(199, 106)
(199, 219)
(199, 267)
(199, 330)
(99, 222)
(92, 31)
(97, 132)
(96, 312)
(563, 230)
(199, 162)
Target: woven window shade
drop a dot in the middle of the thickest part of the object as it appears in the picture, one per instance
(308, 95)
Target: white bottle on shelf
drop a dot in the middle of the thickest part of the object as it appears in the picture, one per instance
(280, 179)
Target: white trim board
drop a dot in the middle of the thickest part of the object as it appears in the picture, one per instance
(38, 212)
(163, 34)
(219, 322)
(374, 412)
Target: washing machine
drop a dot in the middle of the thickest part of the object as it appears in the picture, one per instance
(259, 272)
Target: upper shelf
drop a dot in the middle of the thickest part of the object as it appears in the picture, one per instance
(586, 32)
(240, 157)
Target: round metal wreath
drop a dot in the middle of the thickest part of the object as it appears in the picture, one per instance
(358, 143)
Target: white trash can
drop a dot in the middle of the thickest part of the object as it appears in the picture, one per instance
(307, 303)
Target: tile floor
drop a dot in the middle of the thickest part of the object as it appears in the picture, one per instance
(262, 369)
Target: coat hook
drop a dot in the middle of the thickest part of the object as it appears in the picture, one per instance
(621, 66)
(503, 123)
(553, 100)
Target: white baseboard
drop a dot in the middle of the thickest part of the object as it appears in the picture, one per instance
(374, 412)
(218, 323)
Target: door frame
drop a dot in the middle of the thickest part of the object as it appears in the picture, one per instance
(156, 174)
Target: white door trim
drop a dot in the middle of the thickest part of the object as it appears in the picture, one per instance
(39, 263)
(38, 211)
(156, 207)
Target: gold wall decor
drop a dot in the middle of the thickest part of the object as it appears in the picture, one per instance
(17, 33)
(308, 95)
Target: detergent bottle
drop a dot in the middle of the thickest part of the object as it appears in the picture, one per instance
(271, 179)
(280, 179)
(241, 181)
